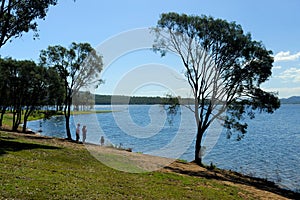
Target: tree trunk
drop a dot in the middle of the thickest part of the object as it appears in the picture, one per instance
(16, 120)
(24, 125)
(69, 137)
(198, 153)
(67, 116)
(19, 117)
(26, 115)
(2, 115)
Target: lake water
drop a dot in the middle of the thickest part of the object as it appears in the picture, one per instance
(270, 149)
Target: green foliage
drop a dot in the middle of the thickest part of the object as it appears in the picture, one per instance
(224, 68)
(182, 161)
(56, 90)
(18, 16)
(78, 66)
(83, 101)
(118, 99)
(24, 88)
(211, 166)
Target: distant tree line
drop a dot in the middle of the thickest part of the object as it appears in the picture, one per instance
(122, 99)
(83, 100)
(291, 100)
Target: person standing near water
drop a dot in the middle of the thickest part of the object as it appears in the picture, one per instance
(78, 132)
(84, 130)
(102, 141)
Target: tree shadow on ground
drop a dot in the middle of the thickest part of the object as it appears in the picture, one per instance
(234, 177)
(8, 144)
(31, 136)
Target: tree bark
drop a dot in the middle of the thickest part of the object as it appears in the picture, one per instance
(67, 117)
(16, 119)
(198, 155)
(69, 137)
(24, 126)
(2, 115)
(26, 115)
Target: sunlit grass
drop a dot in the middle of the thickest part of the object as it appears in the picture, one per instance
(33, 169)
(8, 116)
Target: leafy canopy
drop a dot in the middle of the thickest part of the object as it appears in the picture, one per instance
(224, 67)
(25, 87)
(18, 16)
(78, 66)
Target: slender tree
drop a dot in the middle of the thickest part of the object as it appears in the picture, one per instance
(4, 89)
(84, 100)
(34, 87)
(56, 92)
(224, 68)
(79, 66)
(19, 16)
(15, 91)
(26, 87)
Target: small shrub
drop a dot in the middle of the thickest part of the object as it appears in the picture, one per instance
(182, 161)
(211, 166)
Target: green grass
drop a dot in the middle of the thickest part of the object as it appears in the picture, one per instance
(7, 120)
(42, 169)
(119, 162)
(90, 112)
(8, 117)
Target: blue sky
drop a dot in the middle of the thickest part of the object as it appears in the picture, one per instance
(275, 23)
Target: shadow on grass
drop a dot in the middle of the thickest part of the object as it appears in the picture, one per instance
(37, 137)
(223, 175)
(8, 144)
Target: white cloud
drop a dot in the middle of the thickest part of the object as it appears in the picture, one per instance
(277, 67)
(285, 92)
(292, 74)
(286, 56)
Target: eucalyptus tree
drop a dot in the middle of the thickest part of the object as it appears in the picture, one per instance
(15, 92)
(4, 89)
(78, 66)
(19, 16)
(84, 100)
(55, 92)
(34, 87)
(24, 89)
(224, 67)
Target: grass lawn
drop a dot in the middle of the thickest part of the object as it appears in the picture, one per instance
(8, 116)
(32, 168)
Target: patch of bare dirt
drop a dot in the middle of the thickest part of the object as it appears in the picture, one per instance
(259, 188)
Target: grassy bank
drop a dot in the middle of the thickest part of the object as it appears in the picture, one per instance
(34, 167)
(8, 117)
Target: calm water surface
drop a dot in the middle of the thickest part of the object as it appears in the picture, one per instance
(270, 149)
